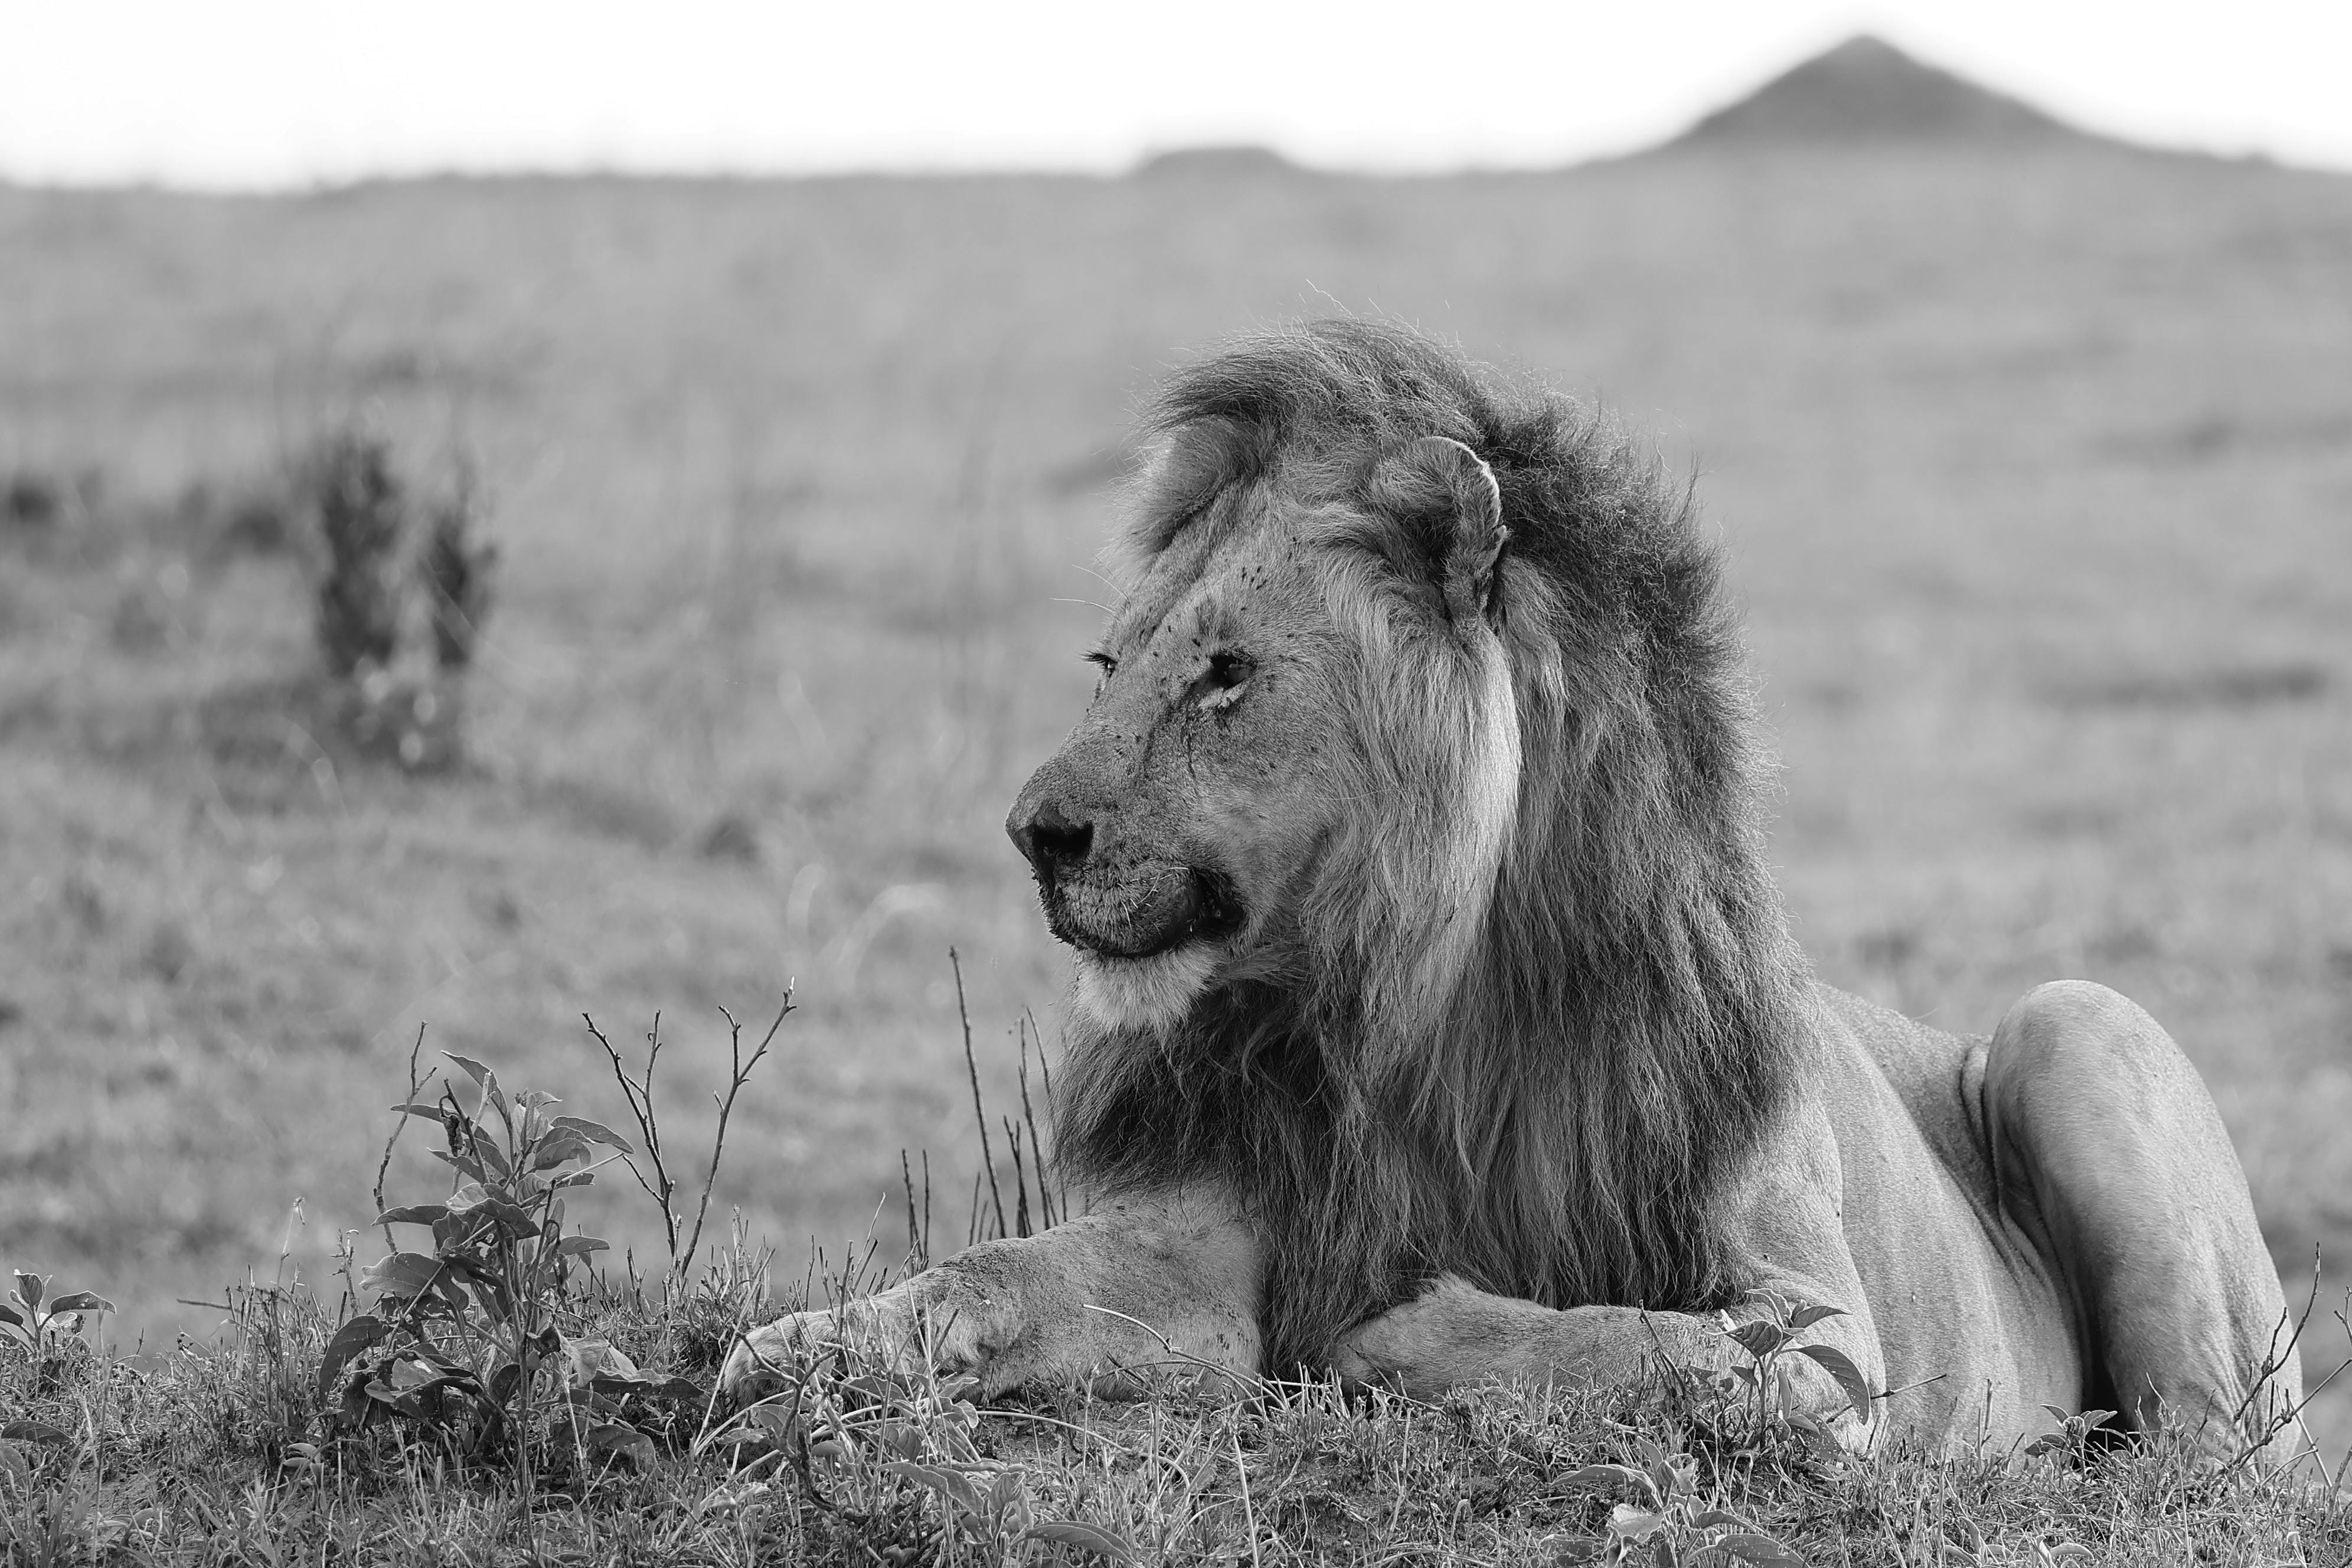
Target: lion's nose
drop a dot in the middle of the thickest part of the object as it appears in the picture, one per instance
(1051, 839)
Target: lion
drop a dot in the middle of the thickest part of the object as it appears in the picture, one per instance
(1436, 1021)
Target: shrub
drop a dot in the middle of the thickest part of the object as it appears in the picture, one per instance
(361, 512)
(464, 1343)
(456, 572)
(403, 589)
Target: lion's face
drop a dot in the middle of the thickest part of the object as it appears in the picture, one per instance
(1306, 688)
(1192, 801)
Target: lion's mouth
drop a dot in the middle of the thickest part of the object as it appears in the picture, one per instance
(1139, 917)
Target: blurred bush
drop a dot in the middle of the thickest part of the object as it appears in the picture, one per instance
(359, 509)
(403, 588)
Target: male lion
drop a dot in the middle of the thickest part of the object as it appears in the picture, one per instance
(1436, 1020)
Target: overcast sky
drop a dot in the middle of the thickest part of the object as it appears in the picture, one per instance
(244, 93)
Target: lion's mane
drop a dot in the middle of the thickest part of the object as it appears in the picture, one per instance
(1562, 1116)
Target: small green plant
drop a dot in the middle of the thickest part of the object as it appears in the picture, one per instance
(475, 1345)
(2070, 1438)
(465, 1342)
(43, 1326)
(1764, 1386)
(40, 1324)
(1670, 1525)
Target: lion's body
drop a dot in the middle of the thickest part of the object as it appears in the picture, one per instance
(1437, 1020)
(2051, 1216)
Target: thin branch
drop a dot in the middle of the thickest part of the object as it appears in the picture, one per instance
(1029, 1114)
(383, 1166)
(1020, 1180)
(2274, 1358)
(2285, 1416)
(2288, 1415)
(641, 1107)
(979, 1111)
(741, 1073)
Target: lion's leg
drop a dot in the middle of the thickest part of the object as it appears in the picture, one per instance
(2109, 1149)
(1454, 1335)
(1117, 1288)
(1795, 1246)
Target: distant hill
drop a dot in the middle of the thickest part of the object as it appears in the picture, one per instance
(1866, 90)
(1241, 161)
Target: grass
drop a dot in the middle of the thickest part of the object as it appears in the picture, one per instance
(1305, 1476)
(2032, 470)
(499, 1399)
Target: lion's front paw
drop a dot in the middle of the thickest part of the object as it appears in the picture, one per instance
(889, 1332)
(1450, 1335)
(769, 1359)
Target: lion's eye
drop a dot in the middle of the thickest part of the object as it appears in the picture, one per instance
(1221, 684)
(1104, 662)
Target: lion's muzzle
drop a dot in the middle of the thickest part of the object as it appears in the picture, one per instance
(1148, 910)
(1106, 899)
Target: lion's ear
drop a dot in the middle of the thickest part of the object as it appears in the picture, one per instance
(1443, 489)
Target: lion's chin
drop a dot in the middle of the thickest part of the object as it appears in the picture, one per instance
(1149, 993)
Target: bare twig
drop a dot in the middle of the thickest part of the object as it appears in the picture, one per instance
(740, 1073)
(2288, 1417)
(640, 1097)
(1029, 1114)
(383, 1166)
(979, 1111)
(1020, 1180)
(1908, 1387)
(2274, 1358)
(2287, 1412)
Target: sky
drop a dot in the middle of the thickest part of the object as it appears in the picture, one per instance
(264, 94)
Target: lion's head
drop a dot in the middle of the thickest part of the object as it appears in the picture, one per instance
(1286, 711)
(1410, 847)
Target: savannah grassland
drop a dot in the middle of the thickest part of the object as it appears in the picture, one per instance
(2034, 471)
